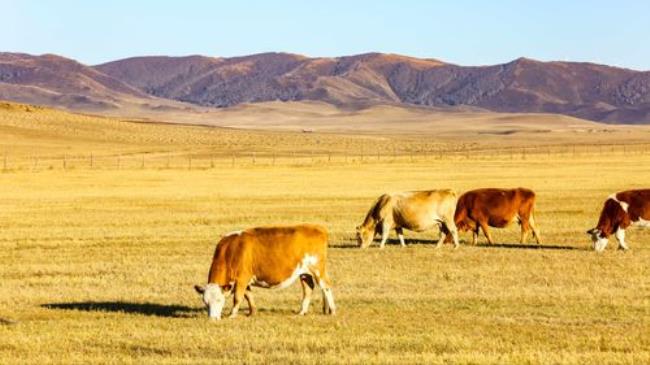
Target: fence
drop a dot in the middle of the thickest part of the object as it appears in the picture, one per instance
(208, 159)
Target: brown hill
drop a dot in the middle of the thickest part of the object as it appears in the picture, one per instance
(584, 90)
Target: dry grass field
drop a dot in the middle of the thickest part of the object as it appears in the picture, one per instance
(98, 264)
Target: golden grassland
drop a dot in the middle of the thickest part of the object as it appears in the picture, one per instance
(98, 265)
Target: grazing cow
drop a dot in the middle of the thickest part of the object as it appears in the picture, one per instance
(620, 211)
(268, 257)
(478, 209)
(414, 210)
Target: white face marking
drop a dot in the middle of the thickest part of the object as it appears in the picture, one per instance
(214, 299)
(302, 268)
(598, 243)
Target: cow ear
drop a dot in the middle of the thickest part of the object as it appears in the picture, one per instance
(358, 228)
(199, 289)
(592, 231)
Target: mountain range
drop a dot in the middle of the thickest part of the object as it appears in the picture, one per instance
(585, 90)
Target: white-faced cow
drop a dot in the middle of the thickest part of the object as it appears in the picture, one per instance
(413, 210)
(620, 211)
(268, 257)
(483, 208)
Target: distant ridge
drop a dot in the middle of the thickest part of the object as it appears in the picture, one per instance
(584, 90)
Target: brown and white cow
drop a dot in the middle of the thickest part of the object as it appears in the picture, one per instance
(621, 210)
(483, 208)
(413, 210)
(268, 257)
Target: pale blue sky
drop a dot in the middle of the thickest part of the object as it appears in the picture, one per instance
(464, 32)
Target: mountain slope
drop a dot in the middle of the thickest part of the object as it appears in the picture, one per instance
(583, 90)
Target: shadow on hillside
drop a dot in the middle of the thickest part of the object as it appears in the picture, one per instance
(148, 309)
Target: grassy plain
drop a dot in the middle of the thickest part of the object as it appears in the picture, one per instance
(98, 264)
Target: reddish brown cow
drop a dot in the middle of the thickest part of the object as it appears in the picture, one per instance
(620, 211)
(478, 209)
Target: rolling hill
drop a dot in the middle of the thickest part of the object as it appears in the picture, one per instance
(584, 90)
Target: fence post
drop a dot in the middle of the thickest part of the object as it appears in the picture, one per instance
(211, 161)
(92, 162)
(65, 161)
(142, 163)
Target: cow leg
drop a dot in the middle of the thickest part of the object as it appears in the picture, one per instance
(443, 234)
(531, 223)
(385, 230)
(620, 237)
(328, 297)
(251, 304)
(486, 232)
(524, 231)
(240, 292)
(475, 232)
(400, 235)
(307, 283)
(451, 227)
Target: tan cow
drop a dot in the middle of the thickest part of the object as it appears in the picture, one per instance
(413, 210)
(620, 211)
(268, 257)
(483, 208)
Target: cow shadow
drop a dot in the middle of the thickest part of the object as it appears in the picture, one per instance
(465, 243)
(390, 242)
(525, 246)
(147, 309)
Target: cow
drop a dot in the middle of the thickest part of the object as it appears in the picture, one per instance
(620, 211)
(268, 257)
(483, 208)
(413, 210)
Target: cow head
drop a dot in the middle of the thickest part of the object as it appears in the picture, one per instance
(365, 236)
(214, 299)
(599, 241)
